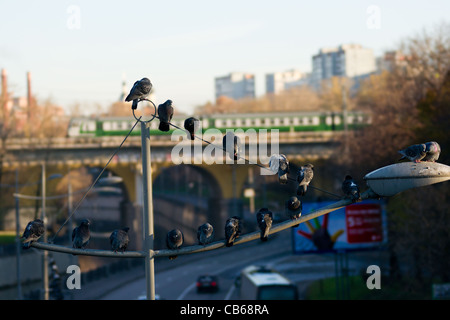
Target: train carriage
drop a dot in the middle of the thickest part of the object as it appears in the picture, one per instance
(284, 122)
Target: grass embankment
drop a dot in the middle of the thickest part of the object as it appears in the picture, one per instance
(7, 237)
(325, 289)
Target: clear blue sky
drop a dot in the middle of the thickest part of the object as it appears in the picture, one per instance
(183, 45)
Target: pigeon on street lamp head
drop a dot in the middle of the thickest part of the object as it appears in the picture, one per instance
(279, 163)
(264, 218)
(205, 233)
(140, 90)
(414, 153)
(232, 145)
(33, 231)
(81, 235)
(174, 240)
(294, 207)
(232, 230)
(119, 239)
(433, 150)
(165, 114)
(304, 177)
(351, 189)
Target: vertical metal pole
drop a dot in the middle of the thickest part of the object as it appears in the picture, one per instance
(19, 281)
(70, 223)
(45, 253)
(148, 211)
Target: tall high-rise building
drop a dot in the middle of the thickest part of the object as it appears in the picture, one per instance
(236, 85)
(348, 60)
(280, 81)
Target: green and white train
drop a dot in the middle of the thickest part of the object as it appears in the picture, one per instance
(284, 122)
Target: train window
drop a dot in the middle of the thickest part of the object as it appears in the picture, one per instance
(329, 120)
(315, 121)
(350, 119)
(218, 123)
(295, 121)
(258, 122)
(229, 123)
(248, 122)
(89, 126)
(106, 126)
(267, 121)
(238, 122)
(276, 121)
(337, 120)
(286, 121)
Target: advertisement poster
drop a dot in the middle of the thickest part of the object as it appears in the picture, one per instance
(359, 226)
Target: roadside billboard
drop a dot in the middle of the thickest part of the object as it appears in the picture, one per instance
(359, 226)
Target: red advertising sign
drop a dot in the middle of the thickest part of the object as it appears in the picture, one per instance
(363, 222)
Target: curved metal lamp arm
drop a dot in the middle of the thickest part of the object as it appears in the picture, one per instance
(200, 248)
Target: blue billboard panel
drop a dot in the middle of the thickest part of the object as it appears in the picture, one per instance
(358, 226)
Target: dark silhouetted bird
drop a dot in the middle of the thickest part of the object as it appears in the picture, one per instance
(119, 239)
(140, 90)
(232, 230)
(81, 235)
(264, 218)
(33, 231)
(279, 164)
(351, 189)
(191, 125)
(174, 240)
(165, 114)
(304, 177)
(414, 153)
(294, 207)
(205, 233)
(232, 145)
(433, 150)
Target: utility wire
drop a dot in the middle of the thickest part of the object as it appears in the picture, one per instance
(96, 179)
(250, 162)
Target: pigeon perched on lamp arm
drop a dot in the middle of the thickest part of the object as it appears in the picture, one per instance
(174, 240)
(351, 189)
(33, 231)
(140, 90)
(205, 233)
(294, 207)
(264, 219)
(119, 239)
(232, 230)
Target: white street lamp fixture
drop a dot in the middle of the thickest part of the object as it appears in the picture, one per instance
(390, 180)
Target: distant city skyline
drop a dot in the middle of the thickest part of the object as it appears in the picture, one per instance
(79, 52)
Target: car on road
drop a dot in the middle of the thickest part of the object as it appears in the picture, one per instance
(207, 283)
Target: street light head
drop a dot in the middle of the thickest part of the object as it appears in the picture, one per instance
(395, 178)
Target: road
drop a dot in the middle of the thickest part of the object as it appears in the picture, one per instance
(175, 279)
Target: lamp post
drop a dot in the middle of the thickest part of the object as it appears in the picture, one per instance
(148, 211)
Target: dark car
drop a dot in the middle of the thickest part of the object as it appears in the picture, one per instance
(207, 283)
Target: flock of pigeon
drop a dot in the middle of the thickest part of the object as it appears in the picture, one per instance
(278, 164)
(80, 235)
